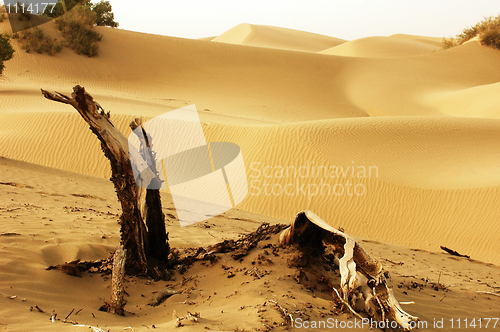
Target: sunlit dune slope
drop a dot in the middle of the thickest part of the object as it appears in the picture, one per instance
(381, 47)
(477, 102)
(264, 84)
(275, 37)
(268, 84)
(434, 41)
(393, 179)
(408, 86)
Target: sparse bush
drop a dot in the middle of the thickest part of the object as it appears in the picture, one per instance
(6, 50)
(449, 43)
(103, 11)
(104, 14)
(2, 17)
(491, 38)
(76, 27)
(488, 31)
(34, 39)
(57, 10)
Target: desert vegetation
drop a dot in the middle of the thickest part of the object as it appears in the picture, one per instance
(76, 25)
(487, 30)
(6, 50)
(103, 11)
(34, 39)
(74, 19)
(76, 28)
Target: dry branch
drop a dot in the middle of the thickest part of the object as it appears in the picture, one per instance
(117, 286)
(346, 304)
(38, 308)
(12, 297)
(489, 293)
(189, 316)
(94, 328)
(453, 252)
(162, 295)
(286, 315)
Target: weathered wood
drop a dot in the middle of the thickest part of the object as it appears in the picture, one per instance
(150, 202)
(360, 274)
(162, 295)
(117, 286)
(453, 252)
(142, 221)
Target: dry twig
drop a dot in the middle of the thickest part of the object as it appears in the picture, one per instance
(94, 328)
(347, 304)
(287, 316)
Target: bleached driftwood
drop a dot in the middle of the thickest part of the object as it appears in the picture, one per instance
(489, 293)
(189, 316)
(360, 274)
(94, 328)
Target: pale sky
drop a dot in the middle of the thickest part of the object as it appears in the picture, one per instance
(347, 19)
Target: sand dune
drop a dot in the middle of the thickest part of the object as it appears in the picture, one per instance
(405, 86)
(381, 177)
(406, 164)
(381, 47)
(422, 148)
(275, 37)
(383, 136)
(476, 102)
(434, 41)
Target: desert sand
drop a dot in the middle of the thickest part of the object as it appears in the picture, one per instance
(390, 138)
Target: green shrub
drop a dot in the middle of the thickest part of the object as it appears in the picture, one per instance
(449, 43)
(102, 10)
(58, 10)
(104, 14)
(491, 38)
(76, 27)
(6, 50)
(488, 31)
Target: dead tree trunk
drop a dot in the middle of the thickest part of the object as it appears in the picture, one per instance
(142, 221)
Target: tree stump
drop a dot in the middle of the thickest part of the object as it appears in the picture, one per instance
(361, 276)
